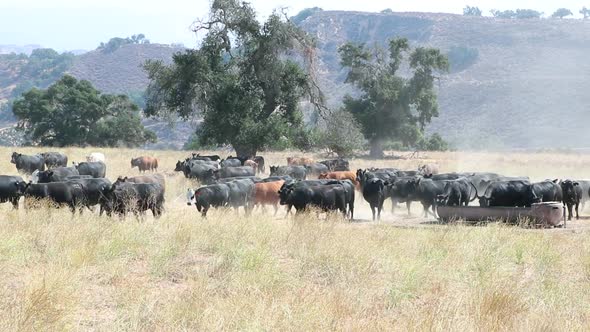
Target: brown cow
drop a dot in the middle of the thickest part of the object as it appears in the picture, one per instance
(252, 164)
(340, 175)
(267, 193)
(145, 163)
(299, 161)
(152, 178)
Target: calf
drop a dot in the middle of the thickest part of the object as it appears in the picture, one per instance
(548, 191)
(326, 197)
(457, 193)
(373, 189)
(252, 164)
(145, 163)
(426, 192)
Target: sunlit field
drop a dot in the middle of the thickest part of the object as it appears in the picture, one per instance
(265, 272)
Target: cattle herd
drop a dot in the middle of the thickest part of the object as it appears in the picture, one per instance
(235, 182)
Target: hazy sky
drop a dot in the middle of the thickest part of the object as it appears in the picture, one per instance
(83, 24)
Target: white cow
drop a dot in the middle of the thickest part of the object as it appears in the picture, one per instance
(95, 157)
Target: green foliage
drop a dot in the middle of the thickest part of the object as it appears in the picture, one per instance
(461, 57)
(115, 43)
(387, 11)
(561, 13)
(433, 143)
(72, 112)
(472, 11)
(391, 105)
(245, 89)
(193, 144)
(43, 67)
(585, 11)
(305, 13)
(518, 14)
(341, 134)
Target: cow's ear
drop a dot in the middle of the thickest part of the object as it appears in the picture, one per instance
(556, 180)
(576, 184)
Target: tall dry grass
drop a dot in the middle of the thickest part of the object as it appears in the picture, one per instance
(229, 272)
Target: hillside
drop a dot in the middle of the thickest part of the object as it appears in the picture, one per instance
(120, 71)
(528, 87)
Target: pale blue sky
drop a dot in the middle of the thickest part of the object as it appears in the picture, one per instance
(83, 24)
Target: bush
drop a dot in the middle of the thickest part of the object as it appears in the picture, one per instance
(471, 11)
(341, 134)
(433, 143)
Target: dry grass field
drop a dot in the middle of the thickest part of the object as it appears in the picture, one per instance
(227, 272)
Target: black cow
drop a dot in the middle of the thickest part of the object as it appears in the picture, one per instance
(548, 191)
(215, 195)
(231, 162)
(326, 197)
(572, 196)
(457, 193)
(54, 159)
(58, 174)
(210, 157)
(296, 172)
(95, 190)
(350, 190)
(399, 191)
(28, 164)
(253, 179)
(316, 169)
(374, 191)
(60, 193)
(509, 193)
(426, 192)
(230, 172)
(95, 169)
(11, 189)
(241, 193)
(124, 197)
(481, 181)
(337, 165)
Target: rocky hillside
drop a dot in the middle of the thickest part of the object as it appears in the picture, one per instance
(527, 86)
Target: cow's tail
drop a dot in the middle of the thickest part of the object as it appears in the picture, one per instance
(476, 193)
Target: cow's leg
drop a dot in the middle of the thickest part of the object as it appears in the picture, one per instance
(577, 212)
(569, 211)
(351, 210)
(379, 208)
(276, 206)
(14, 202)
(408, 206)
(373, 211)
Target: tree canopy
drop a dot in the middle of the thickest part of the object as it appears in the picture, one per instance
(115, 43)
(72, 112)
(472, 11)
(240, 79)
(390, 105)
(585, 12)
(561, 13)
(518, 14)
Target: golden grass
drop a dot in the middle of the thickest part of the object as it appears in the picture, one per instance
(182, 272)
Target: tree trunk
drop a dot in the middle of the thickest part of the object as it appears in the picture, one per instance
(376, 149)
(245, 151)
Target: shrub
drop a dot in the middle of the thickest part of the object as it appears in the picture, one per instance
(341, 134)
(434, 143)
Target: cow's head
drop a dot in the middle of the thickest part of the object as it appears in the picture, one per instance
(273, 170)
(190, 195)
(569, 190)
(179, 166)
(15, 157)
(44, 176)
(21, 186)
(285, 193)
(531, 196)
(323, 176)
(134, 162)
